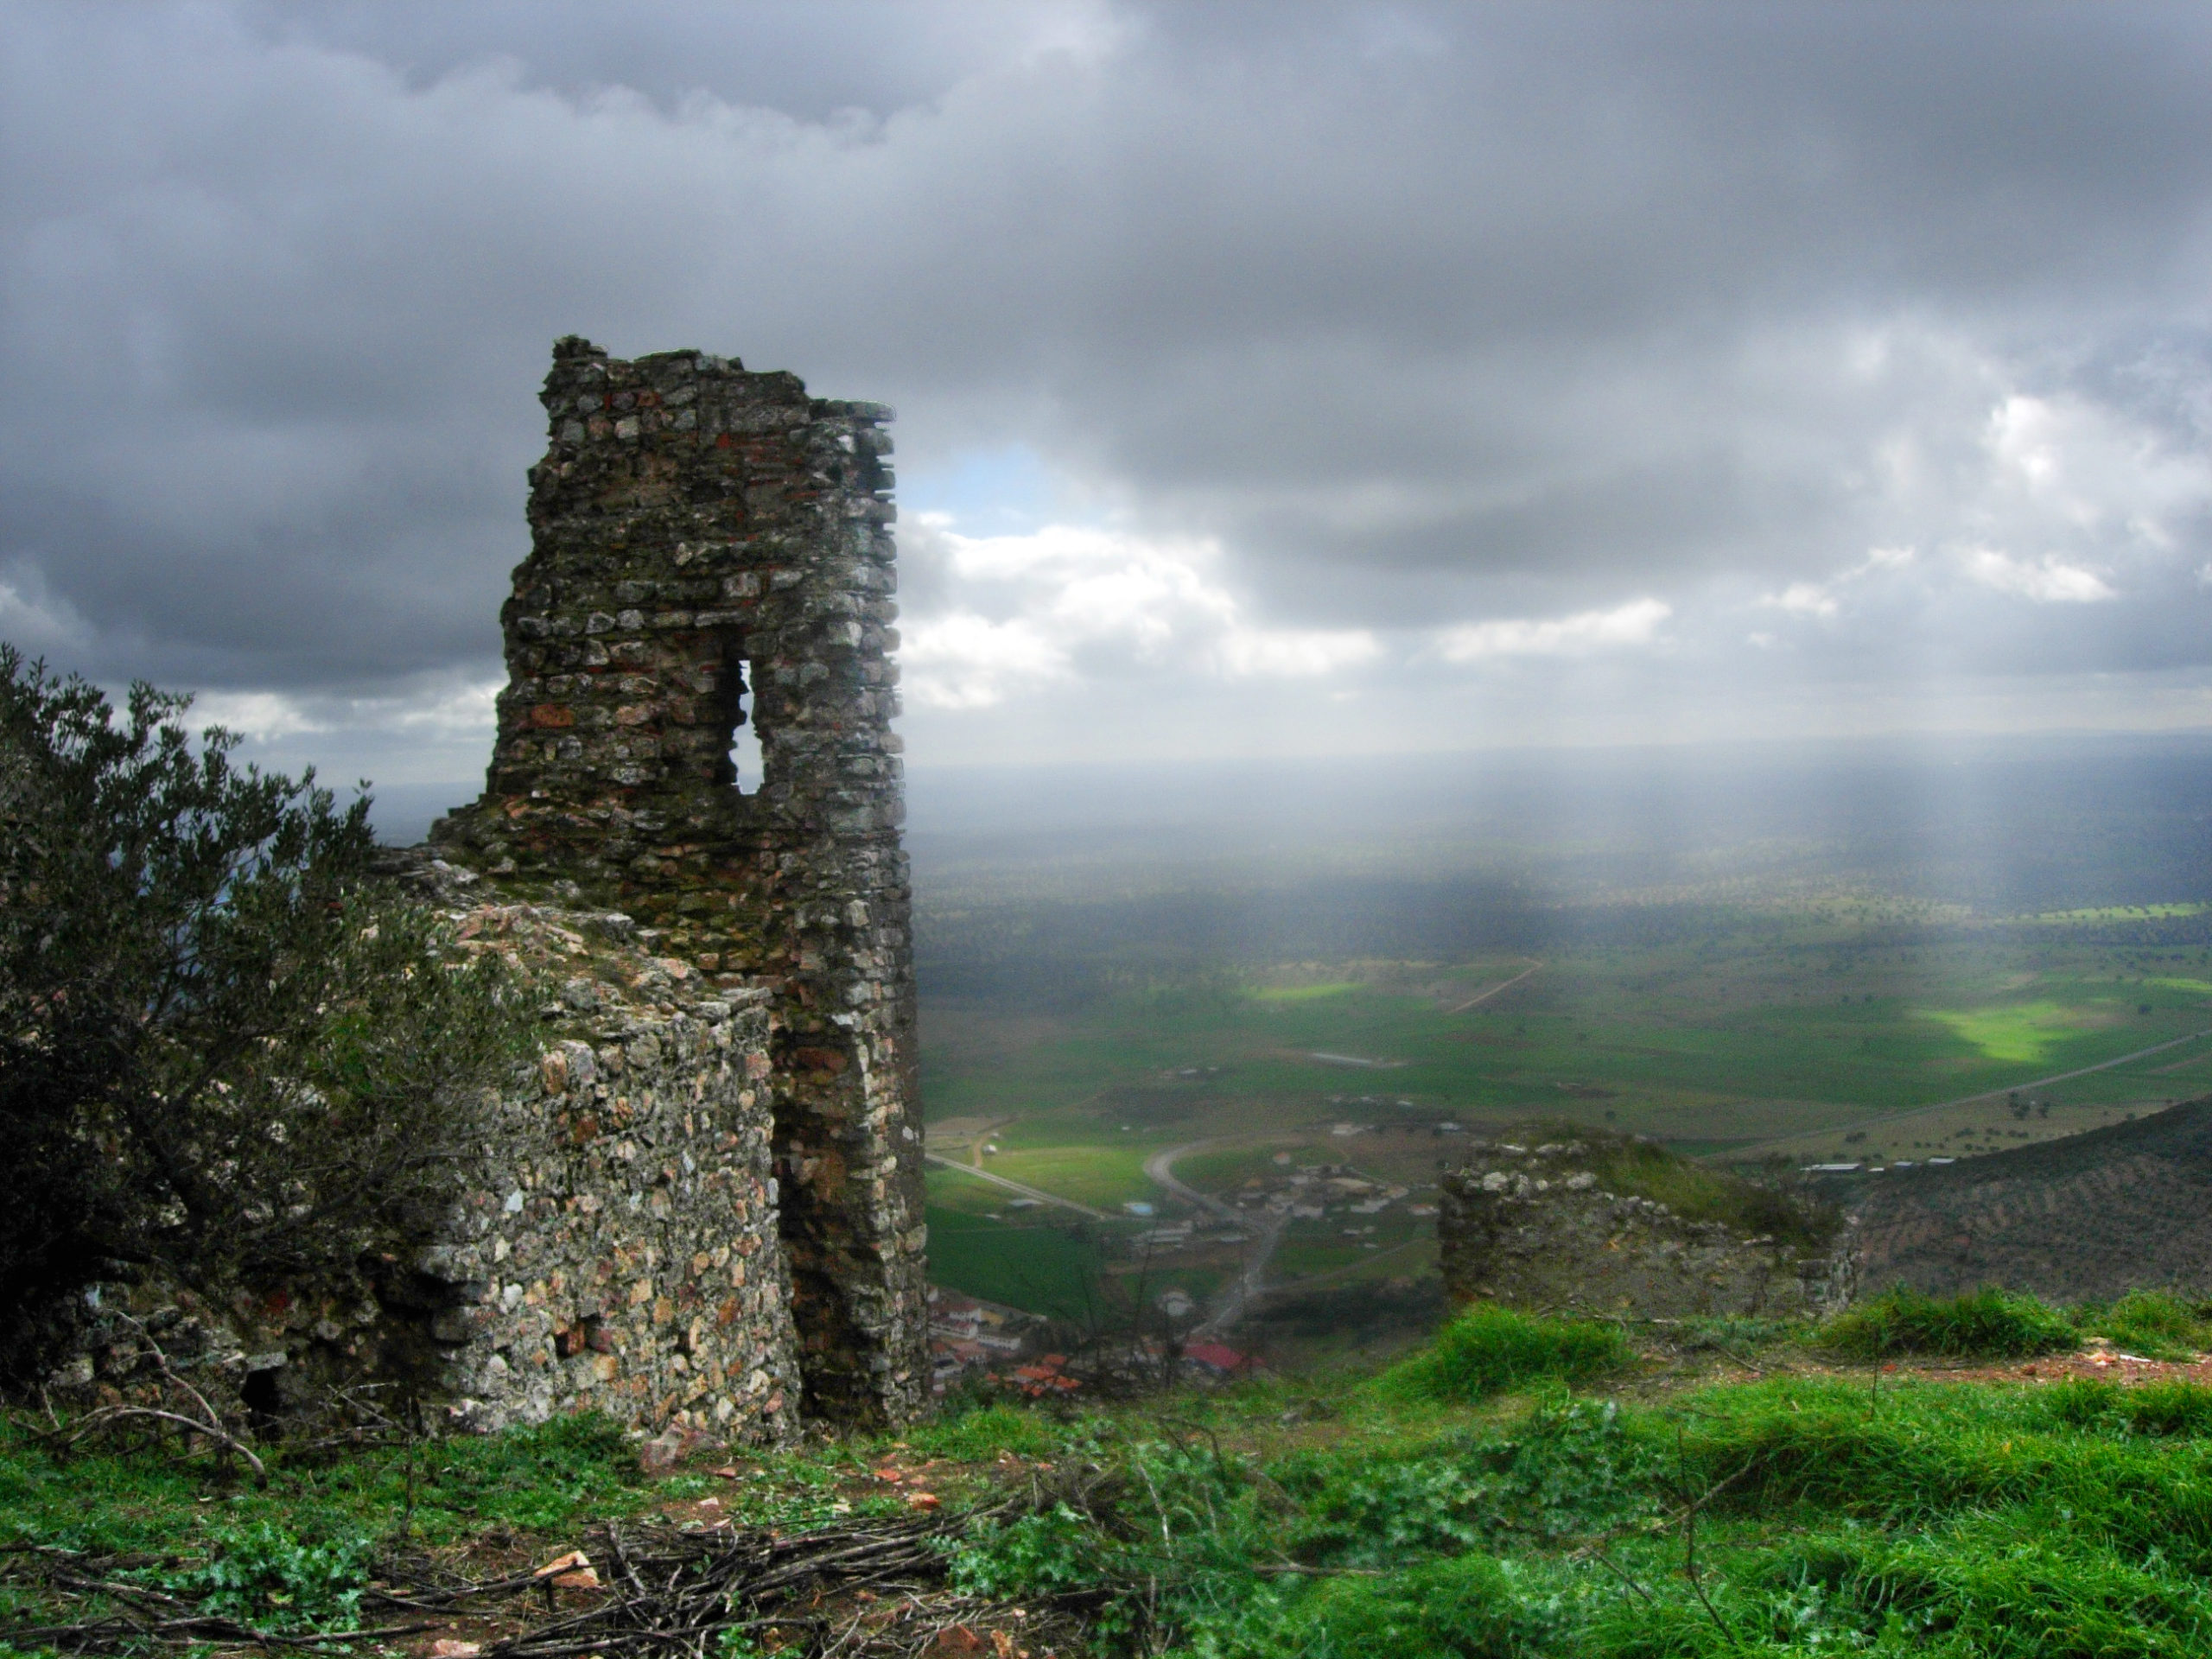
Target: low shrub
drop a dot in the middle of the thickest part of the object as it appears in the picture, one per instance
(1044, 1553)
(1984, 1324)
(1568, 1468)
(1489, 1350)
(263, 1575)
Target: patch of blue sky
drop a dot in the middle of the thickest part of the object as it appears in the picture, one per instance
(1007, 490)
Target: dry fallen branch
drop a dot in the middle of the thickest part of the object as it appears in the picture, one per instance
(674, 1591)
(200, 1418)
(146, 1614)
(93, 1422)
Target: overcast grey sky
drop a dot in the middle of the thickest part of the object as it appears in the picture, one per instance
(1273, 378)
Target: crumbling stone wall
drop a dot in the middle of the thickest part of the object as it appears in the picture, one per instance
(619, 1249)
(614, 1246)
(711, 546)
(1533, 1227)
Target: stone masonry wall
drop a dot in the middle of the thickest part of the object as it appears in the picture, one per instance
(710, 547)
(1530, 1227)
(618, 1251)
(615, 1246)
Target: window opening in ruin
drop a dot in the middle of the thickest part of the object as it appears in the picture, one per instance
(745, 758)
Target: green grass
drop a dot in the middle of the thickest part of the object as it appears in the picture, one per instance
(1429, 1515)
(532, 1479)
(1733, 1026)
(1955, 1519)
(1979, 1324)
(1102, 1173)
(2022, 1034)
(1489, 1350)
(296, 1553)
(982, 1432)
(2152, 1323)
(1775, 1025)
(1276, 996)
(1465, 1604)
(1045, 1268)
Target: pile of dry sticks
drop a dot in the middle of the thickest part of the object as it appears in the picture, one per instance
(873, 1588)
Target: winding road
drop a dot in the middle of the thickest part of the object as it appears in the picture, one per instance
(1231, 1302)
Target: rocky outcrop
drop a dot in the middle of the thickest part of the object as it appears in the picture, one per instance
(1535, 1227)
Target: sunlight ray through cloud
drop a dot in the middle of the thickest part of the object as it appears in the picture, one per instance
(1241, 351)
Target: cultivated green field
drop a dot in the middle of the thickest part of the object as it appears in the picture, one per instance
(1822, 1033)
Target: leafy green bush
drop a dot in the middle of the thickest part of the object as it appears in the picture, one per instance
(1052, 1550)
(1569, 1467)
(262, 1574)
(1464, 1608)
(224, 1051)
(1489, 1349)
(1984, 1324)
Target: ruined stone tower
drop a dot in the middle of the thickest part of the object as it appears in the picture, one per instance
(711, 547)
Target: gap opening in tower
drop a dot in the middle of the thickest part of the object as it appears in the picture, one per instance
(748, 769)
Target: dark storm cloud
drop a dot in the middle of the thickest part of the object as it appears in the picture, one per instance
(1401, 318)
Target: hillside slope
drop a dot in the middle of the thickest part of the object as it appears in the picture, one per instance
(2088, 1216)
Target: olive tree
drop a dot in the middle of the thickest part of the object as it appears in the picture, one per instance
(226, 1051)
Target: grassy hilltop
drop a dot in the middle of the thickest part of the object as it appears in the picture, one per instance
(1951, 1479)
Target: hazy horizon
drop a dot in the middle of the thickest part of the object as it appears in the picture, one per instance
(2002, 824)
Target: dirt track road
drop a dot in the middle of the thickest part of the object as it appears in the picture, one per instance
(1986, 1094)
(1481, 997)
(1230, 1302)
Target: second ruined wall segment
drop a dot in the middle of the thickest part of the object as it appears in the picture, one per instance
(1535, 1228)
(711, 548)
